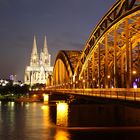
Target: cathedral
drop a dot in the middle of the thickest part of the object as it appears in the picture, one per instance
(40, 66)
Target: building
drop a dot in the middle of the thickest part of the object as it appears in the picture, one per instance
(40, 65)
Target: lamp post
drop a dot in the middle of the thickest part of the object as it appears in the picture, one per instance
(134, 83)
(108, 81)
(93, 85)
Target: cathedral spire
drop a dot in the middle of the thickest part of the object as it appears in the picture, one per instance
(45, 54)
(45, 49)
(34, 61)
(34, 50)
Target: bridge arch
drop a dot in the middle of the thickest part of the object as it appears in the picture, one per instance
(111, 57)
(64, 66)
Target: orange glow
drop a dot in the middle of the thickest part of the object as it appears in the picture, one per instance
(62, 114)
(46, 97)
(134, 72)
(62, 135)
(34, 95)
(44, 107)
(46, 117)
(62, 107)
(108, 76)
(83, 81)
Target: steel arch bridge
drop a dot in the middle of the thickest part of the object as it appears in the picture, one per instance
(64, 66)
(111, 55)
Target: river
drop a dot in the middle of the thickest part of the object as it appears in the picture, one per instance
(37, 121)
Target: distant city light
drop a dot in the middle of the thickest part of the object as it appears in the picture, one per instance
(134, 85)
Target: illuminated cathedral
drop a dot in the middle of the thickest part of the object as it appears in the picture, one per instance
(40, 65)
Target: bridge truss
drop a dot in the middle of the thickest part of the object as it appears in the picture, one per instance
(111, 56)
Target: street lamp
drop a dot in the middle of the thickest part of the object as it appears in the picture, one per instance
(134, 72)
(134, 83)
(108, 76)
(83, 83)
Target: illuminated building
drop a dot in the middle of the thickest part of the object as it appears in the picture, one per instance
(40, 66)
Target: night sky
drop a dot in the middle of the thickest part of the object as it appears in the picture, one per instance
(66, 23)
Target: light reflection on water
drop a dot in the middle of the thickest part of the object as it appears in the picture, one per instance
(62, 135)
(36, 121)
(29, 121)
(62, 114)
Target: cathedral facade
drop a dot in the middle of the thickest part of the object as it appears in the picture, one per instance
(40, 66)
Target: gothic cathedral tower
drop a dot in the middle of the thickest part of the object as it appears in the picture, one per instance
(34, 60)
(40, 67)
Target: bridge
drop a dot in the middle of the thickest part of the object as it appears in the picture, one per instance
(109, 64)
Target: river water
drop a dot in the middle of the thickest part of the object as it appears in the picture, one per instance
(37, 121)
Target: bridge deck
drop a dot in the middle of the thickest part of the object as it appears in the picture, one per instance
(123, 94)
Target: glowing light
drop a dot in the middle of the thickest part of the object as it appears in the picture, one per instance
(36, 89)
(62, 106)
(135, 85)
(83, 81)
(62, 114)
(46, 98)
(3, 84)
(21, 85)
(6, 82)
(93, 79)
(46, 117)
(62, 135)
(134, 72)
(11, 104)
(44, 107)
(27, 105)
(108, 76)
(34, 95)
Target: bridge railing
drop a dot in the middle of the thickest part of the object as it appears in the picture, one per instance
(116, 93)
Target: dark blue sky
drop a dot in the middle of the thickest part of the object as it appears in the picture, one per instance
(66, 23)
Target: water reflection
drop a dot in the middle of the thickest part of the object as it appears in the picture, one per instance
(7, 118)
(11, 105)
(62, 135)
(46, 119)
(62, 114)
(35, 121)
(22, 121)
